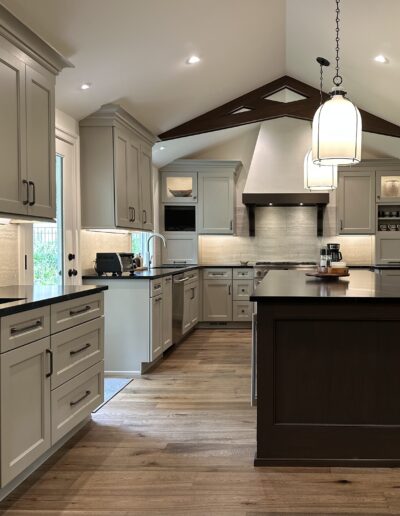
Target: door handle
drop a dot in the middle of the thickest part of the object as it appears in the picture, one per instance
(33, 201)
(133, 214)
(49, 352)
(76, 351)
(229, 290)
(231, 225)
(15, 331)
(80, 311)
(341, 225)
(144, 217)
(72, 403)
(26, 200)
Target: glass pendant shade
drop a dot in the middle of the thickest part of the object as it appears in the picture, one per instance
(336, 132)
(318, 177)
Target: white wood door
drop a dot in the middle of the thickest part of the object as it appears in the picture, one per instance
(167, 312)
(133, 184)
(216, 203)
(40, 137)
(187, 321)
(146, 182)
(181, 248)
(194, 304)
(121, 172)
(156, 320)
(25, 407)
(356, 202)
(13, 191)
(217, 300)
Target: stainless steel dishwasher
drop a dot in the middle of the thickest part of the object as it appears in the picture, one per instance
(178, 286)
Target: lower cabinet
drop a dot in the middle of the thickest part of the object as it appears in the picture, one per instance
(242, 311)
(25, 407)
(217, 300)
(190, 306)
(167, 312)
(156, 330)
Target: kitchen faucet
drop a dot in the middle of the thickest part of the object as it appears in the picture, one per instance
(148, 257)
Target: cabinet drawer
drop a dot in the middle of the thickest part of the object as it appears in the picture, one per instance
(76, 311)
(242, 289)
(24, 327)
(73, 401)
(217, 273)
(76, 349)
(242, 310)
(156, 287)
(243, 273)
(192, 275)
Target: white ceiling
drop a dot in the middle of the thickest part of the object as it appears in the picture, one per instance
(134, 51)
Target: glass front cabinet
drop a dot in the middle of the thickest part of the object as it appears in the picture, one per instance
(388, 186)
(179, 187)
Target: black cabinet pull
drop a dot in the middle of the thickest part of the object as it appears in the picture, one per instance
(72, 403)
(49, 352)
(26, 200)
(76, 351)
(80, 311)
(144, 217)
(33, 201)
(15, 331)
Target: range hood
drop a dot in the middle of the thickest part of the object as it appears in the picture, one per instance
(253, 200)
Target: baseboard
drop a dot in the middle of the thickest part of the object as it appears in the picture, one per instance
(229, 325)
(122, 374)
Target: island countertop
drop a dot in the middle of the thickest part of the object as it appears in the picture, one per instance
(361, 284)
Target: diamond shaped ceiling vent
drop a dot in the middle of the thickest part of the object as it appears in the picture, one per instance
(285, 95)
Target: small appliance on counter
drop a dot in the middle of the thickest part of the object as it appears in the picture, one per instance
(115, 263)
(334, 252)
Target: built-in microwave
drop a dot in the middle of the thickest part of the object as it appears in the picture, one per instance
(179, 218)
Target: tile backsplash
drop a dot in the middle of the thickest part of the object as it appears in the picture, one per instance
(9, 254)
(101, 242)
(283, 234)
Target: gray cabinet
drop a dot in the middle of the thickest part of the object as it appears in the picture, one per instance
(116, 171)
(27, 136)
(156, 322)
(167, 312)
(217, 300)
(25, 407)
(182, 247)
(356, 201)
(388, 185)
(179, 187)
(216, 202)
(194, 304)
(387, 247)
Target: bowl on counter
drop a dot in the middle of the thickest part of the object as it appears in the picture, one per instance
(181, 193)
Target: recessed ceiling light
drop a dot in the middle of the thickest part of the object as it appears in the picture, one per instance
(86, 86)
(270, 204)
(193, 60)
(301, 204)
(381, 59)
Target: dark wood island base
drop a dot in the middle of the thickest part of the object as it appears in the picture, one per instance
(328, 371)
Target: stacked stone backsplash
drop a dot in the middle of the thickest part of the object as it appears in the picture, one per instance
(283, 234)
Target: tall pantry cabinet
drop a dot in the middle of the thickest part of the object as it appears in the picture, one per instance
(116, 171)
(28, 67)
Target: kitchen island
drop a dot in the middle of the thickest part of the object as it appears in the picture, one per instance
(328, 363)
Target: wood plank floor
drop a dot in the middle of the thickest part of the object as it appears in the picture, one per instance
(181, 441)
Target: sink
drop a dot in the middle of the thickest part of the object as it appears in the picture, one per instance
(10, 299)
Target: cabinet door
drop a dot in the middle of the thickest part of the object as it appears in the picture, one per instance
(13, 191)
(122, 158)
(216, 203)
(187, 321)
(167, 312)
(179, 187)
(181, 248)
(40, 138)
(156, 318)
(25, 407)
(194, 304)
(388, 186)
(133, 184)
(356, 202)
(146, 182)
(387, 247)
(217, 300)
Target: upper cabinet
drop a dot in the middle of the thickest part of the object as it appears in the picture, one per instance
(179, 187)
(28, 67)
(116, 171)
(356, 201)
(388, 186)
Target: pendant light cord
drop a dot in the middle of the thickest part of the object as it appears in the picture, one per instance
(337, 80)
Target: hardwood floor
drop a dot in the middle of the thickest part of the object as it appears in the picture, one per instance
(181, 441)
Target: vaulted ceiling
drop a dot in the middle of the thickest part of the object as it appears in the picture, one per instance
(134, 51)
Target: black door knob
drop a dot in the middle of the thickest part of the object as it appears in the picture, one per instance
(71, 257)
(74, 272)
(70, 272)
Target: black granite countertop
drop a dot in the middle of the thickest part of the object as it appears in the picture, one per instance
(159, 272)
(361, 284)
(26, 297)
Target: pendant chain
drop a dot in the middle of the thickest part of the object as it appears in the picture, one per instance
(337, 80)
(320, 83)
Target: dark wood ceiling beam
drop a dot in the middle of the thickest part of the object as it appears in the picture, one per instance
(262, 109)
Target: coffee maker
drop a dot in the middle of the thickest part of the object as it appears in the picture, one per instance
(333, 250)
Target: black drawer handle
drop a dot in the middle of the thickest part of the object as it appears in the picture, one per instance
(35, 326)
(49, 352)
(73, 403)
(80, 311)
(76, 351)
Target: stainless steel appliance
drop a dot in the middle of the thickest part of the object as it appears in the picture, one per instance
(333, 250)
(114, 263)
(179, 218)
(261, 269)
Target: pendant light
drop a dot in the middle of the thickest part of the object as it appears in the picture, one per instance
(336, 138)
(318, 177)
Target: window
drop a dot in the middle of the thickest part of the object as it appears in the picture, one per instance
(139, 242)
